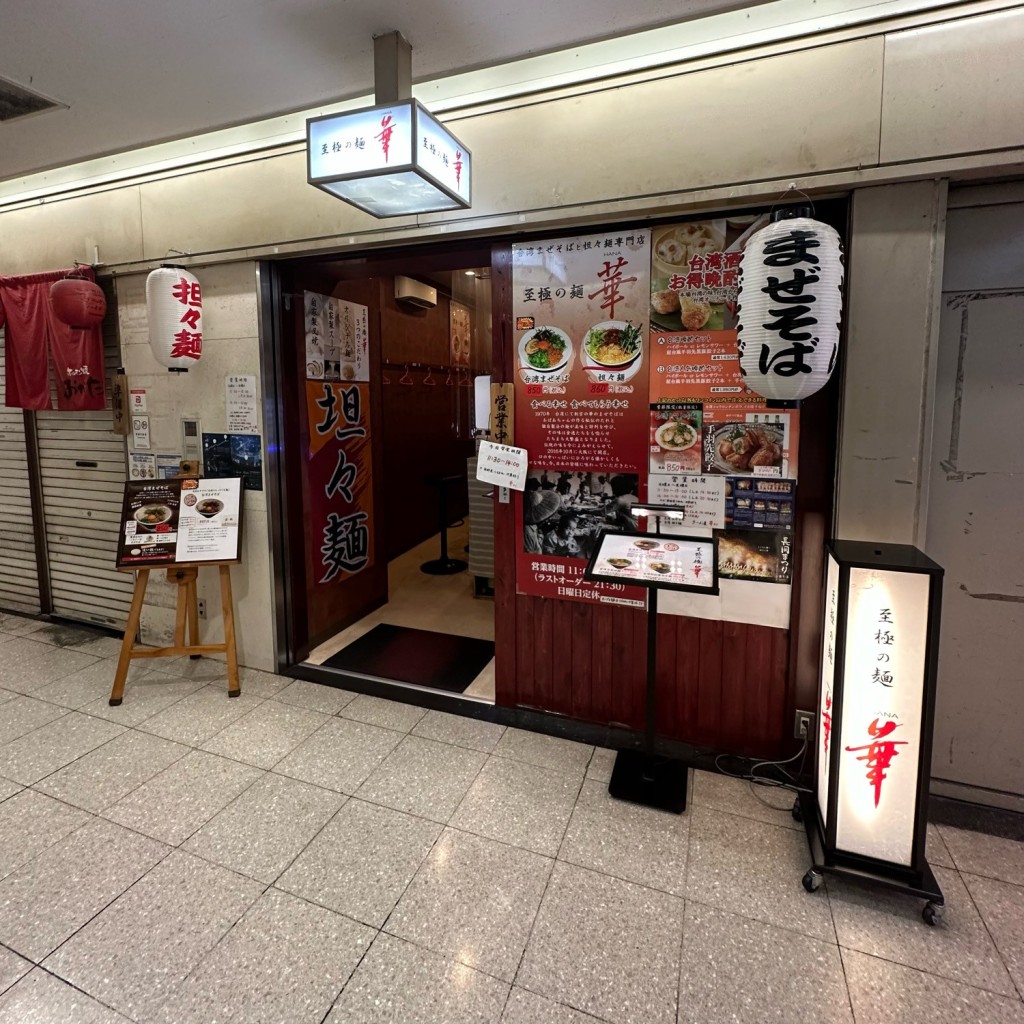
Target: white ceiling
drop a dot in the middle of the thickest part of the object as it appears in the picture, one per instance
(134, 72)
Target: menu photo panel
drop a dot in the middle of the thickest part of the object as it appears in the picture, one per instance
(181, 521)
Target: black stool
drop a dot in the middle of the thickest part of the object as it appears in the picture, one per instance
(444, 566)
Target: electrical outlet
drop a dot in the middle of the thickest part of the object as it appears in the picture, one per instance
(803, 725)
(201, 602)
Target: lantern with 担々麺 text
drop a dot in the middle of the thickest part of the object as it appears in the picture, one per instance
(174, 307)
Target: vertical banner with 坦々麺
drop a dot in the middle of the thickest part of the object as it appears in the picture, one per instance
(340, 480)
(580, 306)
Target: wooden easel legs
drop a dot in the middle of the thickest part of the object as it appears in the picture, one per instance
(186, 615)
(131, 630)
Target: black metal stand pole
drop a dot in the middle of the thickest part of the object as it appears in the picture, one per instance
(443, 566)
(641, 776)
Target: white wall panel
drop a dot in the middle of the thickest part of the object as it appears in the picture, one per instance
(895, 267)
(954, 88)
(795, 114)
(55, 234)
(249, 204)
(791, 115)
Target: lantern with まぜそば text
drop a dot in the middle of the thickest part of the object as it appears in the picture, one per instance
(876, 703)
(789, 306)
(174, 306)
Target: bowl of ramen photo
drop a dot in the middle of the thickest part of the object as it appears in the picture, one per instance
(620, 563)
(209, 507)
(662, 567)
(152, 515)
(614, 344)
(645, 545)
(676, 436)
(544, 349)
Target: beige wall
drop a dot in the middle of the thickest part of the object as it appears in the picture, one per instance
(889, 378)
(925, 102)
(230, 346)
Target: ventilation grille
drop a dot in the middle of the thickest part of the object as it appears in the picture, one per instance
(17, 102)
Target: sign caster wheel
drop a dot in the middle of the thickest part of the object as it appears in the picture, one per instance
(933, 913)
(812, 880)
(797, 812)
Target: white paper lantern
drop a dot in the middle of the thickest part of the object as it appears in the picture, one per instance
(789, 307)
(174, 305)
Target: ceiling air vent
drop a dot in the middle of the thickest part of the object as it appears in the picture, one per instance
(16, 101)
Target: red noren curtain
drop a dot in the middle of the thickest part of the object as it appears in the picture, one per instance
(34, 335)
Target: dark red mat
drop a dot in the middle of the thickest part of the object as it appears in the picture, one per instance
(438, 660)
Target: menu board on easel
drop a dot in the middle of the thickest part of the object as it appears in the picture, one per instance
(177, 522)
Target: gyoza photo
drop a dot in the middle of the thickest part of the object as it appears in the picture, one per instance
(565, 511)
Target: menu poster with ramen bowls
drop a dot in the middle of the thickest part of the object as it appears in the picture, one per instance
(149, 523)
(209, 521)
(654, 560)
(580, 306)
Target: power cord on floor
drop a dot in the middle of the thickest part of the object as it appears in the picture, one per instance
(756, 775)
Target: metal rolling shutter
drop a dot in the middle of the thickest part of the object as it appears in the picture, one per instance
(19, 579)
(82, 465)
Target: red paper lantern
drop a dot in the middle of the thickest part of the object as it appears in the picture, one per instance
(78, 302)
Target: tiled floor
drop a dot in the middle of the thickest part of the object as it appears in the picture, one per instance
(441, 604)
(306, 855)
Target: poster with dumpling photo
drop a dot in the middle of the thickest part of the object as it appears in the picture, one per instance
(695, 270)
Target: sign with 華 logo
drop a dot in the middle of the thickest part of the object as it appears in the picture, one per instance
(876, 705)
(389, 160)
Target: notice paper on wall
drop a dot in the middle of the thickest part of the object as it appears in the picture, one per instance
(167, 466)
(140, 432)
(242, 407)
(502, 464)
(141, 466)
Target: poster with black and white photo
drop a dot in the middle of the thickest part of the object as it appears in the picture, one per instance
(564, 514)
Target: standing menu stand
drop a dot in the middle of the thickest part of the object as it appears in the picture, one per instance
(173, 524)
(658, 562)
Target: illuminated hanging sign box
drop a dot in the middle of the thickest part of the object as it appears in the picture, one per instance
(390, 160)
(880, 636)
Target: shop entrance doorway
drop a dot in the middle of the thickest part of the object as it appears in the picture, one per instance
(387, 539)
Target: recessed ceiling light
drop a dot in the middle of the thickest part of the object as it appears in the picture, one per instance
(470, 273)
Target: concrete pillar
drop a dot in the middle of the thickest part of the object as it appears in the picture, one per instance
(894, 263)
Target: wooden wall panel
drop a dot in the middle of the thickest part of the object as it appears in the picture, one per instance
(419, 439)
(722, 684)
(414, 335)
